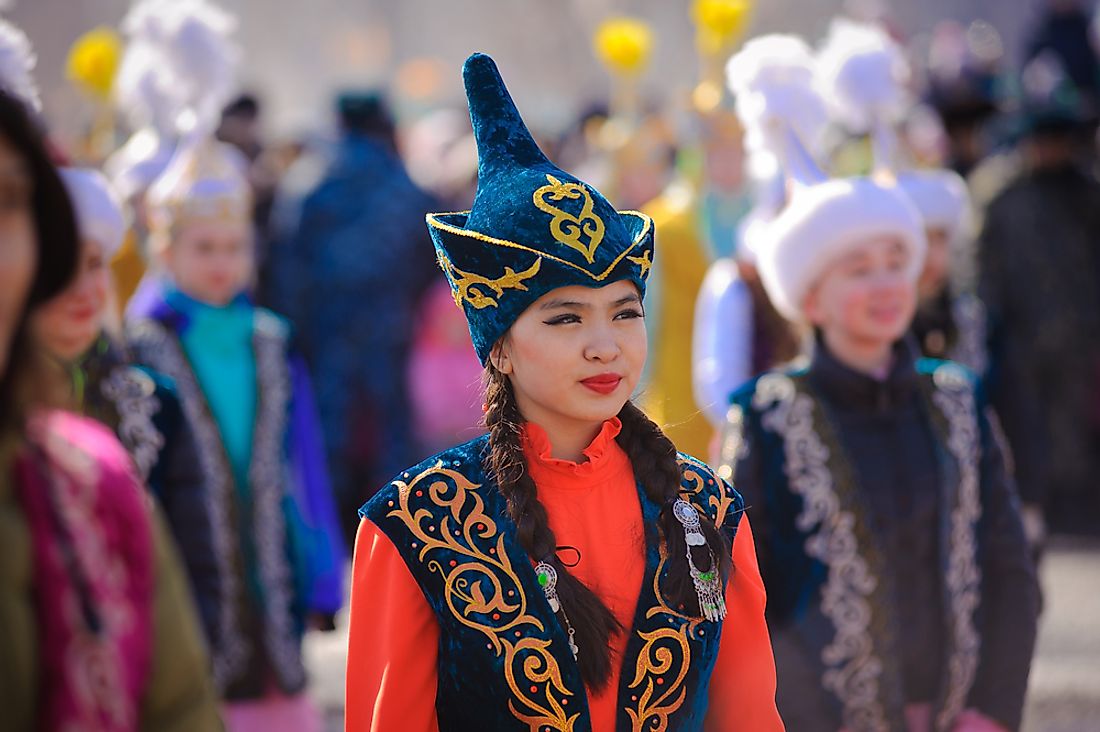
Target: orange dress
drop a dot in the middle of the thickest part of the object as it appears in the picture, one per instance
(594, 509)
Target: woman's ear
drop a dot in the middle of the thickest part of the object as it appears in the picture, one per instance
(500, 359)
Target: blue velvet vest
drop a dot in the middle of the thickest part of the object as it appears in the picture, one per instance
(504, 660)
(831, 593)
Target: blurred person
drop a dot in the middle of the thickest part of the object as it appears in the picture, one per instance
(247, 399)
(698, 215)
(1064, 28)
(738, 333)
(964, 87)
(901, 595)
(349, 267)
(98, 629)
(445, 390)
(278, 554)
(571, 569)
(139, 405)
(1039, 276)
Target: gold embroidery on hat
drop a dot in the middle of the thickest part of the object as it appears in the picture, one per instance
(436, 222)
(482, 292)
(566, 228)
(644, 263)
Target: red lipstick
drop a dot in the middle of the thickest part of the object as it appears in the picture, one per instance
(603, 383)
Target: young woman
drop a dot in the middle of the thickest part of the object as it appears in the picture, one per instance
(569, 570)
(97, 628)
(901, 595)
(139, 405)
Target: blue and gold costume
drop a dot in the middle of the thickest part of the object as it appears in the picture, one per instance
(504, 659)
(501, 641)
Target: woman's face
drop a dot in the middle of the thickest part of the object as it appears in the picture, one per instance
(68, 325)
(575, 356)
(211, 261)
(866, 297)
(936, 265)
(18, 247)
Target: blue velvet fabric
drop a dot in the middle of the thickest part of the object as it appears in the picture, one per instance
(500, 644)
(533, 227)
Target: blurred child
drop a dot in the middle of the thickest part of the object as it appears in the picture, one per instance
(247, 398)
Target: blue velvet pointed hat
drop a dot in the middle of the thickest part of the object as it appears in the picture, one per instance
(533, 227)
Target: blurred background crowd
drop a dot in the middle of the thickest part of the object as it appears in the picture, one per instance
(348, 123)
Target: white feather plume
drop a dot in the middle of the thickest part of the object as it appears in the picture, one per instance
(17, 60)
(863, 75)
(182, 62)
(773, 79)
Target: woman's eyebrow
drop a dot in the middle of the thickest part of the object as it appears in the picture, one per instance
(556, 304)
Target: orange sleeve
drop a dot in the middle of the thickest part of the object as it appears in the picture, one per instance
(742, 688)
(393, 643)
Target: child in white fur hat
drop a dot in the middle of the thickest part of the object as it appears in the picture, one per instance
(901, 594)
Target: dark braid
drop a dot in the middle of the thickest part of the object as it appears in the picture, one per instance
(592, 621)
(656, 467)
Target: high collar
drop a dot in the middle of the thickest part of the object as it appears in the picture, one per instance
(605, 459)
(854, 391)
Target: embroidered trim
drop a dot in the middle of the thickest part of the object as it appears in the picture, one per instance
(468, 531)
(435, 222)
(669, 648)
(565, 227)
(95, 665)
(164, 353)
(852, 667)
(955, 399)
(482, 292)
(133, 393)
(644, 262)
(267, 474)
(971, 325)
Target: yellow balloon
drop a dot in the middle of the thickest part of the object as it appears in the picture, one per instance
(624, 45)
(720, 23)
(93, 61)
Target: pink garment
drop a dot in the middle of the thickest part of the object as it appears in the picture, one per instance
(274, 713)
(444, 374)
(91, 539)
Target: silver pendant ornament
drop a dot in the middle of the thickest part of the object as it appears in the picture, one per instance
(548, 580)
(708, 585)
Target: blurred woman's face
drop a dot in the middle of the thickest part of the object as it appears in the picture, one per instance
(69, 324)
(18, 250)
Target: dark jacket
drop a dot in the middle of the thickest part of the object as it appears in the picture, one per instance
(857, 494)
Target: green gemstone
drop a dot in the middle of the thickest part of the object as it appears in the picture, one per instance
(706, 576)
(543, 579)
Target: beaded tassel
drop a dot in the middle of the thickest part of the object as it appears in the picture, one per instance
(708, 585)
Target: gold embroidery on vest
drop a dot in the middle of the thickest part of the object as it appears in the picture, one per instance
(467, 530)
(658, 696)
(482, 292)
(566, 228)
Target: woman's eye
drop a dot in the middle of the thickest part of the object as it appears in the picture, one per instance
(628, 314)
(563, 319)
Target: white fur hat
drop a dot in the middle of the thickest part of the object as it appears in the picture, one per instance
(940, 196)
(99, 214)
(820, 223)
